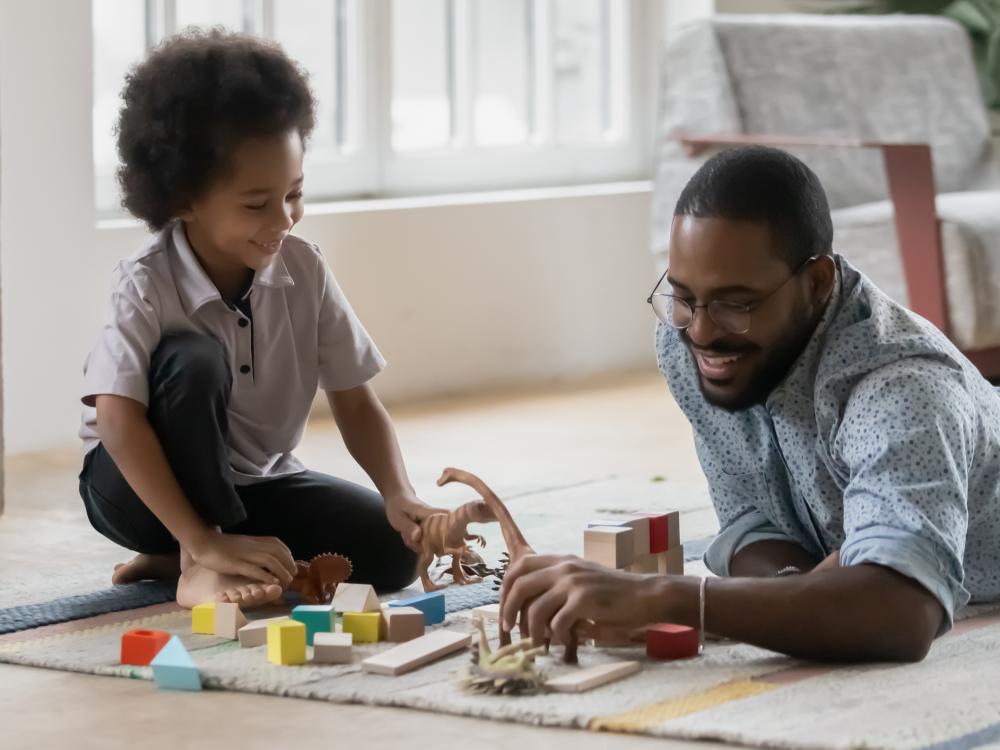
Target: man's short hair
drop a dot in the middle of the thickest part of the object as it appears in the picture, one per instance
(756, 183)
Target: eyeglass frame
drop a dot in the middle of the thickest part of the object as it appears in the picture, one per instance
(748, 309)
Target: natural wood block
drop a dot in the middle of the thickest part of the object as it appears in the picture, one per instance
(645, 564)
(333, 648)
(401, 624)
(638, 524)
(364, 626)
(611, 546)
(489, 612)
(286, 642)
(203, 618)
(416, 653)
(254, 633)
(582, 680)
(668, 641)
(228, 620)
(671, 562)
(355, 597)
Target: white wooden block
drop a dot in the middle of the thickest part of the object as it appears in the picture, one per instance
(228, 620)
(489, 612)
(333, 648)
(401, 624)
(593, 677)
(416, 653)
(355, 597)
(254, 633)
(611, 546)
(671, 562)
(645, 564)
(638, 524)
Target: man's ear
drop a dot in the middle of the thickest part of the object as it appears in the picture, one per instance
(185, 213)
(822, 273)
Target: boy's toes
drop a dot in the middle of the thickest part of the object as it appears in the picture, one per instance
(233, 595)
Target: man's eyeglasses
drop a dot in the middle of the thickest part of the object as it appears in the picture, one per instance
(731, 317)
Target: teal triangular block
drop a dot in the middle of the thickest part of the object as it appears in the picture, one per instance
(173, 668)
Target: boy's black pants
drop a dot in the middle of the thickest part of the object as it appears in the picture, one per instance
(310, 512)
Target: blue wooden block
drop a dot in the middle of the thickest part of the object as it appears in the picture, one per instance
(173, 668)
(432, 605)
(318, 618)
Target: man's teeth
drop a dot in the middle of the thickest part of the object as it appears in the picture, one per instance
(722, 360)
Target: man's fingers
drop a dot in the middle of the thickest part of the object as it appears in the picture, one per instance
(541, 612)
(566, 619)
(524, 566)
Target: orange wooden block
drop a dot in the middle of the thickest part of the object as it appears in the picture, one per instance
(668, 641)
(140, 646)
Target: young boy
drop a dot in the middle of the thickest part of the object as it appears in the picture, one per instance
(221, 329)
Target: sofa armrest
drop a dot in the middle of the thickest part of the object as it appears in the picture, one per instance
(909, 170)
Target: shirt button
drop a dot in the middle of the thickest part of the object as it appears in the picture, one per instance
(244, 322)
(245, 369)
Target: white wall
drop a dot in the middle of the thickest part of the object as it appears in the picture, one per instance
(509, 289)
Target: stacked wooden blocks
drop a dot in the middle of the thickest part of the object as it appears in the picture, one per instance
(641, 543)
(432, 605)
(318, 618)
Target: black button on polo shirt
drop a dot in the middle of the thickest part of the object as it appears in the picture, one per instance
(245, 369)
(244, 323)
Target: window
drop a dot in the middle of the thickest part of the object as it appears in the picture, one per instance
(423, 96)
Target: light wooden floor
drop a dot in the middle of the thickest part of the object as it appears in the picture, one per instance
(625, 427)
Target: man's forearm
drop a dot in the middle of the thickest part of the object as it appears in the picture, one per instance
(765, 558)
(858, 613)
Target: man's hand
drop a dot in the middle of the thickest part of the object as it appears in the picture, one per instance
(563, 597)
(404, 513)
(261, 558)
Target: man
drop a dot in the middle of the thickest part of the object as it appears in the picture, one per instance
(852, 453)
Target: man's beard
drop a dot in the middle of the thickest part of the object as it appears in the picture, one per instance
(777, 364)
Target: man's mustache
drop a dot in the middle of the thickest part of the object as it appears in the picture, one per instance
(720, 346)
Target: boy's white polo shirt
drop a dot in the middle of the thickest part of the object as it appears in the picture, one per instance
(303, 336)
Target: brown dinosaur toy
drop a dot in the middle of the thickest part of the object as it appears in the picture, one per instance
(316, 580)
(446, 534)
(517, 545)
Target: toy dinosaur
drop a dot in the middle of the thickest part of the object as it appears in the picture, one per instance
(446, 534)
(517, 547)
(510, 670)
(316, 580)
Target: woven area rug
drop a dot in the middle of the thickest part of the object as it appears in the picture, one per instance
(732, 692)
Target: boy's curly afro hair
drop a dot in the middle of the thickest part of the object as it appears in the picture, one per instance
(186, 106)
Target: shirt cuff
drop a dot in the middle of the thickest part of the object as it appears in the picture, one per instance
(913, 557)
(751, 527)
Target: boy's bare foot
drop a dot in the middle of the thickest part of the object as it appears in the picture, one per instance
(198, 584)
(143, 567)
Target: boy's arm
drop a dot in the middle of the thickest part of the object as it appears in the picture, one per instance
(131, 442)
(370, 438)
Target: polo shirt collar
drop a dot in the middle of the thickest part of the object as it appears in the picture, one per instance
(197, 289)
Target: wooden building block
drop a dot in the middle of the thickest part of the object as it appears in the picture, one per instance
(416, 653)
(668, 641)
(489, 612)
(173, 668)
(318, 618)
(611, 546)
(254, 633)
(228, 620)
(638, 524)
(355, 597)
(333, 648)
(203, 618)
(401, 624)
(664, 531)
(432, 605)
(582, 680)
(286, 642)
(671, 562)
(140, 646)
(645, 564)
(364, 626)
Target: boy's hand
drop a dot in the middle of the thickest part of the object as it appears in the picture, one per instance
(260, 558)
(404, 513)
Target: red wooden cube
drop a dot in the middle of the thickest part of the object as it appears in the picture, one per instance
(140, 646)
(668, 641)
(664, 531)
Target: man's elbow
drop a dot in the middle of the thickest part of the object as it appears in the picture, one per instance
(911, 630)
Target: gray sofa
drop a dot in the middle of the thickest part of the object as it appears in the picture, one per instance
(846, 94)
